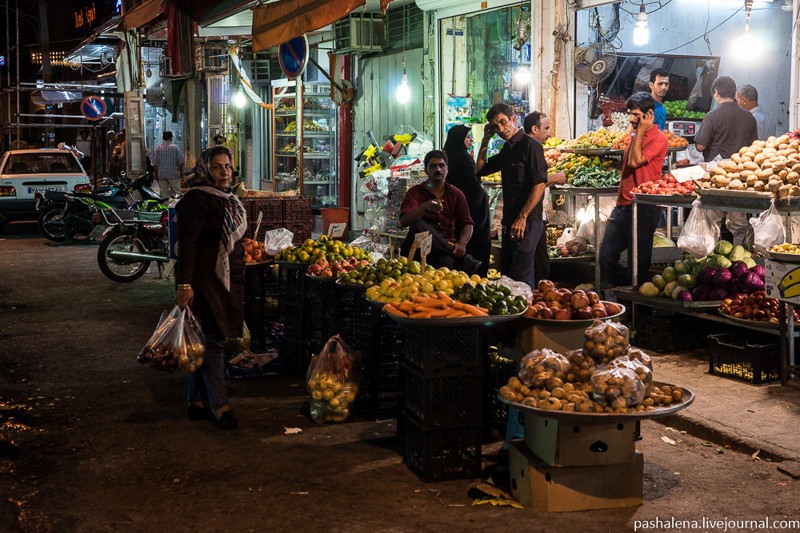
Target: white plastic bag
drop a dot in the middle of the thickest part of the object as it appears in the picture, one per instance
(586, 224)
(518, 288)
(567, 235)
(700, 234)
(277, 240)
(767, 229)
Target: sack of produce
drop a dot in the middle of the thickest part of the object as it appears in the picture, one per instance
(642, 370)
(700, 233)
(238, 344)
(582, 365)
(768, 229)
(617, 387)
(605, 341)
(177, 342)
(543, 369)
(332, 381)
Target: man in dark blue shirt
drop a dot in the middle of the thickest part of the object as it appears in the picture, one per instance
(524, 177)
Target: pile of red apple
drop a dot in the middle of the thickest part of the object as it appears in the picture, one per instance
(331, 269)
(550, 303)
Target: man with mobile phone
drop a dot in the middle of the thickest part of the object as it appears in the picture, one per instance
(643, 161)
(523, 171)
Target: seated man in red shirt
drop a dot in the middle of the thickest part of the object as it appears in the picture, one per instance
(440, 208)
(643, 161)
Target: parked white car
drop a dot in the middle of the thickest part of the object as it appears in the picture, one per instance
(23, 173)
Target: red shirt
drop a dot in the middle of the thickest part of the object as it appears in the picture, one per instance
(454, 213)
(654, 149)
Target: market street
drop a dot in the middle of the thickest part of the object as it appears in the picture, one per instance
(92, 441)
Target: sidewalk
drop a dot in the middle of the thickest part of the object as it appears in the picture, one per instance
(748, 417)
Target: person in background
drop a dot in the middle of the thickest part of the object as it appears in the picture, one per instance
(537, 125)
(168, 166)
(524, 177)
(642, 161)
(210, 280)
(747, 98)
(112, 166)
(659, 85)
(461, 173)
(118, 155)
(722, 133)
(439, 208)
(84, 146)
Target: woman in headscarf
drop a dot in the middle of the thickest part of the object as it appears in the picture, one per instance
(210, 278)
(461, 174)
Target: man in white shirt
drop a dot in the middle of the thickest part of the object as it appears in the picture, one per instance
(747, 97)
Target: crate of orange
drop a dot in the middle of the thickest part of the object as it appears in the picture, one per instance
(254, 251)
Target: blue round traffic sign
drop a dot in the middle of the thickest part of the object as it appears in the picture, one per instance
(93, 108)
(293, 56)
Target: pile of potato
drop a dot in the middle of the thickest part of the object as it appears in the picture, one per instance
(767, 166)
(588, 381)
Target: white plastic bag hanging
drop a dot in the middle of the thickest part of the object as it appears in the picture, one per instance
(700, 234)
(277, 240)
(768, 229)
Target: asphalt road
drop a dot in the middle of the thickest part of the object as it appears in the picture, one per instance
(92, 441)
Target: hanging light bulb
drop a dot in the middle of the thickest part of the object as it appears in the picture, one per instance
(403, 93)
(747, 48)
(641, 35)
(238, 99)
(522, 76)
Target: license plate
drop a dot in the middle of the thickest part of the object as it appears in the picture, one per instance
(41, 190)
(97, 231)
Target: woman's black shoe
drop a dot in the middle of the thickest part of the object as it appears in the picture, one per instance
(224, 421)
(195, 412)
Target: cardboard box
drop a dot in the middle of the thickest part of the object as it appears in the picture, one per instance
(560, 443)
(528, 337)
(782, 281)
(546, 488)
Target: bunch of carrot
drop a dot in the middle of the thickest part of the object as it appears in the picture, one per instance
(437, 305)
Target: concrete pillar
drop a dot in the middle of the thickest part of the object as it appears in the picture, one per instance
(193, 106)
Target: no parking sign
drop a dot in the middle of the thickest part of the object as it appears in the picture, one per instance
(93, 108)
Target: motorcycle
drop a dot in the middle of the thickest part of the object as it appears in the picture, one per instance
(132, 240)
(72, 216)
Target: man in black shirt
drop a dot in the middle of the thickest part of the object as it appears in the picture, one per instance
(524, 176)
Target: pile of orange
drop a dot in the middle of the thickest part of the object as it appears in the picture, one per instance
(254, 251)
(675, 140)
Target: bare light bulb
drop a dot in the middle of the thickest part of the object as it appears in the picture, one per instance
(746, 48)
(641, 35)
(522, 76)
(403, 93)
(239, 99)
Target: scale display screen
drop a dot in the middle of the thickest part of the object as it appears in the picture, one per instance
(684, 128)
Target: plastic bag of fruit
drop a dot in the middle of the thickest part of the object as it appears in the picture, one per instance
(332, 381)
(235, 345)
(644, 372)
(177, 343)
(543, 368)
(605, 341)
(617, 387)
(700, 233)
(582, 366)
(277, 240)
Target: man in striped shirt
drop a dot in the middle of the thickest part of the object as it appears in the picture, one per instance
(168, 166)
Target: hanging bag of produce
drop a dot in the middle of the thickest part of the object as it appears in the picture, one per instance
(332, 381)
(700, 233)
(235, 345)
(177, 343)
(767, 229)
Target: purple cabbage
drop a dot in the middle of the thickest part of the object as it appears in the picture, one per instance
(735, 284)
(752, 283)
(739, 269)
(706, 276)
(701, 293)
(718, 293)
(684, 296)
(722, 278)
(758, 270)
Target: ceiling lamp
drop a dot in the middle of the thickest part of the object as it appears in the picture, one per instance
(641, 35)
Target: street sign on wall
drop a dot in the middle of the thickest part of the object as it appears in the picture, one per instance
(93, 108)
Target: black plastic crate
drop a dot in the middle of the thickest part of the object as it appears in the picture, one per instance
(296, 211)
(380, 395)
(437, 349)
(349, 298)
(296, 357)
(443, 400)
(292, 285)
(497, 372)
(745, 356)
(440, 454)
(668, 332)
(255, 294)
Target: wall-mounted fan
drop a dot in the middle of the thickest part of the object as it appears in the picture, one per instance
(594, 63)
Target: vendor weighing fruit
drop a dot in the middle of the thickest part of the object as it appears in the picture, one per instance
(441, 209)
(642, 162)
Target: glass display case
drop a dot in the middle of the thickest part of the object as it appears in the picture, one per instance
(312, 171)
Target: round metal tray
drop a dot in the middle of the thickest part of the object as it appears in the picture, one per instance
(677, 148)
(331, 279)
(593, 151)
(605, 418)
(573, 323)
(753, 323)
(789, 258)
(666, 198)
(454, 322)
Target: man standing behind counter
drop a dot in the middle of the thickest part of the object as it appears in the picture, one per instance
(524, 177)
(659, 85)
(643, 161)
(747, 98)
